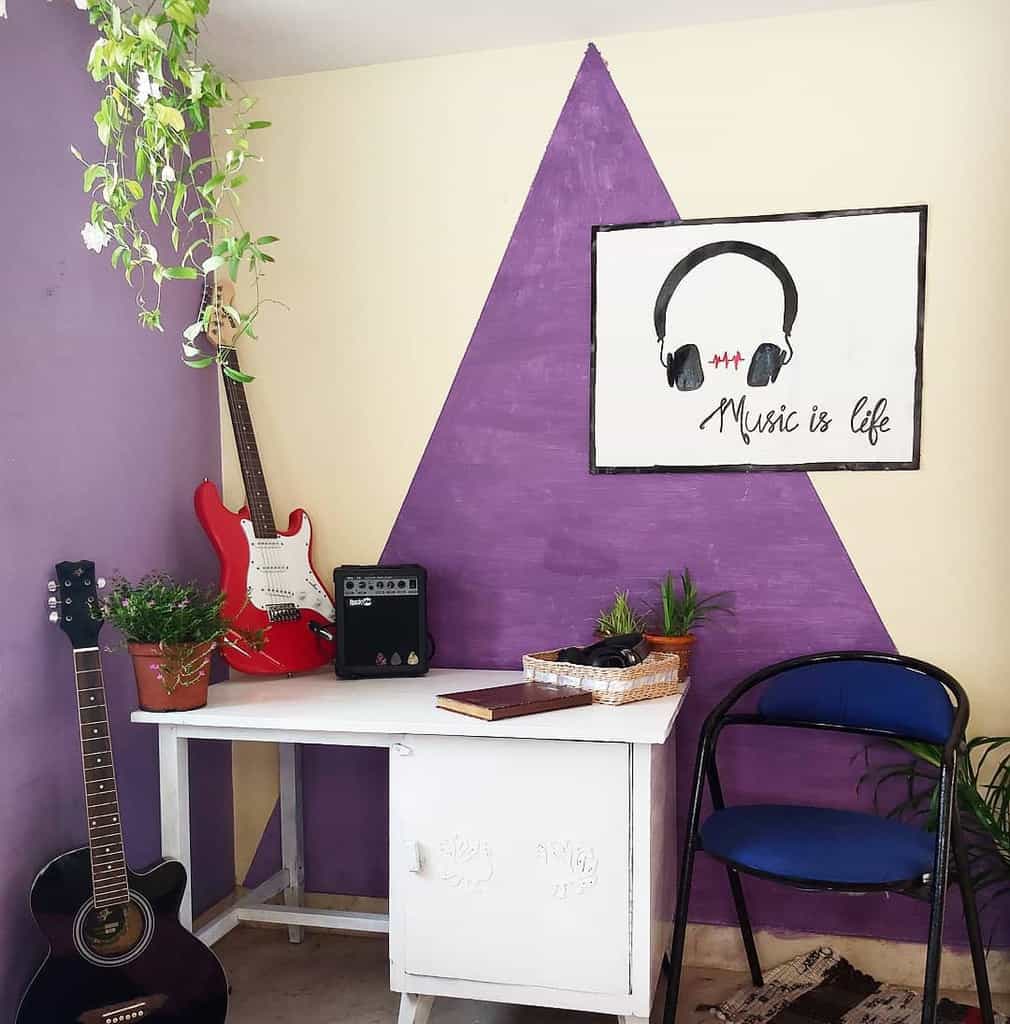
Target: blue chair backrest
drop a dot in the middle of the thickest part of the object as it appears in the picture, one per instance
(862, 694)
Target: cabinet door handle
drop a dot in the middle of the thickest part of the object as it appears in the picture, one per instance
(402, 749)
(414, 864)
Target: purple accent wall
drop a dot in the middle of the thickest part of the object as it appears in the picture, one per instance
(346, 810)
(103, 437)
(524, 547)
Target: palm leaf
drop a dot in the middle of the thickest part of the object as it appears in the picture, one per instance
(983, 804)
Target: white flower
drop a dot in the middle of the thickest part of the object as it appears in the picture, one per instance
(3, 8)
(81, 5)
(168, 173)
(147, 88)
(190, 351)
(96, 238)
(151, 253)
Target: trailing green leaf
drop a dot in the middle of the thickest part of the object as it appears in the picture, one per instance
(237, 375)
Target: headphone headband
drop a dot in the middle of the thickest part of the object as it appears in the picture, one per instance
(706, 252)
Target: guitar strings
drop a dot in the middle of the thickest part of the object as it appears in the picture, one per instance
(245, 444)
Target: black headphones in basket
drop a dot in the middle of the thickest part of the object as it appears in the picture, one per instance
(683, 367)
(610, 652)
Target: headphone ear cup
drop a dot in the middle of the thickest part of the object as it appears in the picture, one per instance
(765, 365)
(683, 369)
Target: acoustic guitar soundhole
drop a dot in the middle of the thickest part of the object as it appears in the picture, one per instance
(112, 936)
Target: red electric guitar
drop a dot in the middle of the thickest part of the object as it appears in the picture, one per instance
(266, 574)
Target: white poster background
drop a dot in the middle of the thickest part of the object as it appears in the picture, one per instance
(856, 334)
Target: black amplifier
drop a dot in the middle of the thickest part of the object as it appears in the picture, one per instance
(382, 622)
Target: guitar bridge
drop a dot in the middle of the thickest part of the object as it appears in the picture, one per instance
(283, 613)
(136, 1009)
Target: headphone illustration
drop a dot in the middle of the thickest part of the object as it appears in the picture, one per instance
(683, 367)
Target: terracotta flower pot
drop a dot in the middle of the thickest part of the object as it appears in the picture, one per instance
(183, 667)
(682, 645)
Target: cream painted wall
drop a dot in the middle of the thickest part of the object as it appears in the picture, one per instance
(395, 189)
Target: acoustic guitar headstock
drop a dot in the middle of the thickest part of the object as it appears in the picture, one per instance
(73, 602)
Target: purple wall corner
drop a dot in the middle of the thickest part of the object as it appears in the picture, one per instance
(103, 436)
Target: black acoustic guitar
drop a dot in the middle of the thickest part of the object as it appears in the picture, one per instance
(117, 952)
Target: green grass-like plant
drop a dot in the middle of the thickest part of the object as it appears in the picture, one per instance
(684, 609)
(620, 618)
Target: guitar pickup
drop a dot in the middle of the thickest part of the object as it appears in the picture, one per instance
(283, 613)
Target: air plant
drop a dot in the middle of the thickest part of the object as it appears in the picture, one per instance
(620, 618)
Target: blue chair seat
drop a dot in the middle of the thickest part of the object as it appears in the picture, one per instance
(819, 845)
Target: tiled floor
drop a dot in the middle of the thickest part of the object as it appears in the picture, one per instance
(336, 979)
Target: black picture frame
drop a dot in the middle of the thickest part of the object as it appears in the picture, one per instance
(913, 464)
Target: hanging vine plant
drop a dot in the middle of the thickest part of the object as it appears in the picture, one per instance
(155, 170)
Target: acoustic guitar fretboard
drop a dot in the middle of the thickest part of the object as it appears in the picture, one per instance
(105, 832)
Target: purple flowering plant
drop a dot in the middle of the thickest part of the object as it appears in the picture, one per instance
(158, 610)
(181, 618)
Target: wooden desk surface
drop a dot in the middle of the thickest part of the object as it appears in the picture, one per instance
(320, 703)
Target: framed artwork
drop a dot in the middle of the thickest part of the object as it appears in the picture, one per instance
(788, 342)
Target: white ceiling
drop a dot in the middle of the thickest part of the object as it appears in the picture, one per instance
(254, 39)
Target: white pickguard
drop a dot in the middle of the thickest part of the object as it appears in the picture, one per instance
(280, 572)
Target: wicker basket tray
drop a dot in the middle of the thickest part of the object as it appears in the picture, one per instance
(657, 676)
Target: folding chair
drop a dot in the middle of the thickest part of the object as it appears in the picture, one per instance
(869, 694)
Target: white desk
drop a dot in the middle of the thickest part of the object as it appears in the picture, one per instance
(531, 860)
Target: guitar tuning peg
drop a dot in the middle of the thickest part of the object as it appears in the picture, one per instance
(54, 617)
(51, 586)
(100, 582)
(53, 602)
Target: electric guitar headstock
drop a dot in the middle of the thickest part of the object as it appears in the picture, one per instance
(221, 328)
(73, 602)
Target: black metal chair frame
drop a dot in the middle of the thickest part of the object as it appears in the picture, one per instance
(949, 837)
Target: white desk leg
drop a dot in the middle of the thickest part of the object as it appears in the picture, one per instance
(173, 761)
(415, 1009)
(292, 829)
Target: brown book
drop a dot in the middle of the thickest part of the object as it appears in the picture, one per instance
(513, 700)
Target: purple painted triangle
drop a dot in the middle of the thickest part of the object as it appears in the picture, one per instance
(524, 546)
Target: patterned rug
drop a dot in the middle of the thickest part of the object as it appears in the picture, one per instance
(823, 988)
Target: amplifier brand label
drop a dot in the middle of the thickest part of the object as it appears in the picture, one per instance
(360, 602)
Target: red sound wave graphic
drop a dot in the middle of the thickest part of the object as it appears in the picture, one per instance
(725, 359)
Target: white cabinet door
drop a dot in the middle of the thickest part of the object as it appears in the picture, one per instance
(510, 861)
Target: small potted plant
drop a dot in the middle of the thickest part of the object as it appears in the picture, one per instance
(620, 618)
(684, 610)
(171, 630)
